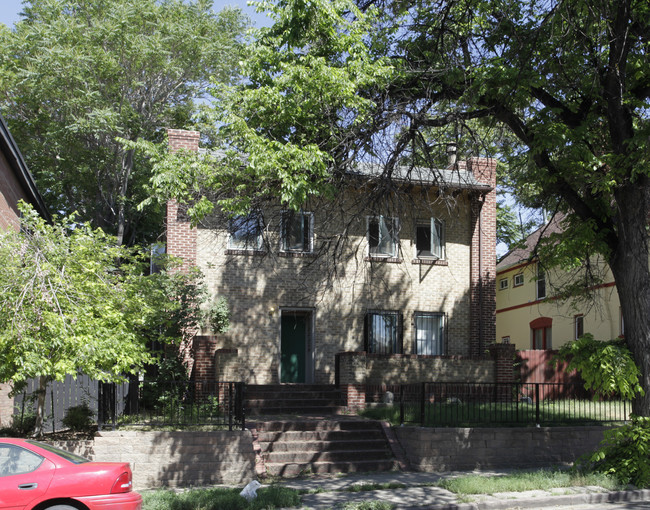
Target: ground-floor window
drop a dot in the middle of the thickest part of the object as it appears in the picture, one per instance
(429, 333)
(541, 334)
(383, 332)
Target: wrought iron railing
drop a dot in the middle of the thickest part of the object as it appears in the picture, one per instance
(443, 404)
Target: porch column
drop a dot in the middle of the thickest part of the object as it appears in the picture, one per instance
(351, 377)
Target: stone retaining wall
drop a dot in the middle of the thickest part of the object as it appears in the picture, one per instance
(462, 449)
(160, 459)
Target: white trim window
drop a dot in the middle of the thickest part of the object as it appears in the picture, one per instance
(383, 238)
(503, 283)
(297, 231)
(430, 239)
(578, 326)
(541, 282)
(245, 232)
(518, 280)
(429, 333)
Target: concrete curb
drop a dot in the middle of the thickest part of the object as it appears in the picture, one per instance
(631, 496)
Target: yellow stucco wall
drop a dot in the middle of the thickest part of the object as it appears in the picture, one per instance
(518, 306)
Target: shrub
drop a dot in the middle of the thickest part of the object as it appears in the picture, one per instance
(79, 418)
(624, 453)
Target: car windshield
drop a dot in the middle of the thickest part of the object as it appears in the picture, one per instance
(75, 459)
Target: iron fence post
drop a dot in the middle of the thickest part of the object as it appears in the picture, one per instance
(401, 404)
(230, 406)
(537, 420)
(422, 403)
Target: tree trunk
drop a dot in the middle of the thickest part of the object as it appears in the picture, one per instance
(40, 406)
(629, 265)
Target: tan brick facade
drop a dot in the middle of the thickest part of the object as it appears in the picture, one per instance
(336, 284)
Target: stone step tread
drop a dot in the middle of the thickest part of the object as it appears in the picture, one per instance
(300, 402)
(326, 456)
(326, 410)
(298, 425)
(328, 445)
(296, 436)
(296, 469)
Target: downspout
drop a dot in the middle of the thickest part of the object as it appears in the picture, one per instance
(480, 281)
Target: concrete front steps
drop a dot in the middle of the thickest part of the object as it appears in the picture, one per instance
(292, 398)
(317, 446)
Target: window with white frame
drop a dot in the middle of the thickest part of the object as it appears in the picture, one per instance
(578, 326)
(297, 231)
(503, 283)
(246, 232)
(430, 239)
(383, 236)
(518, 280)
(383, 332)
(429, 333)
(541, 282)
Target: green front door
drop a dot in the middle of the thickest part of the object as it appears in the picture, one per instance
(293, 343)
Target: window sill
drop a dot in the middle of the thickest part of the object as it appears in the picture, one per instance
(297, 254)
(231, 251)
(430, 262)
(388, 260)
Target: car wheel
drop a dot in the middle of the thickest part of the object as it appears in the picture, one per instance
(61, 507)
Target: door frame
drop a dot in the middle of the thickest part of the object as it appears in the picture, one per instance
(309, 314)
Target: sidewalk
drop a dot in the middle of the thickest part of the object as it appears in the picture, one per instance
(418, 493)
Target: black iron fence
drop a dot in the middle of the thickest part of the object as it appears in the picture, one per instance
(206, 404)
(440, 404)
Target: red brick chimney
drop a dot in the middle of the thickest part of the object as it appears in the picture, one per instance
(181, 237)
(483, 258)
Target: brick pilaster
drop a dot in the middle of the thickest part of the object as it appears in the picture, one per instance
(483, 258)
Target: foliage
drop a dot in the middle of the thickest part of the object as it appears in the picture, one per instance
(221, 499)
(608, 368)
(79, 418)
(624, 453)
(71, 302)
(76, 75)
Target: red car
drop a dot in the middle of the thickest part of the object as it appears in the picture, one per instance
(37, 475)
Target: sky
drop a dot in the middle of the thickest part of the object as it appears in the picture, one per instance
(10, 9)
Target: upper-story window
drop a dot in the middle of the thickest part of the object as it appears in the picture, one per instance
(578, 326)
(518, 280)
(430, 239)
(541, 282)
(246, 232)
(503, 283)
(383, 236)
(297, 231)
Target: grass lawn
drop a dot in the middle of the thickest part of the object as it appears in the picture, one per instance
(268, 498)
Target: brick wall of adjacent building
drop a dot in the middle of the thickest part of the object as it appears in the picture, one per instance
(340, 284)
(174, 459)
(10, 193)
(464, 449)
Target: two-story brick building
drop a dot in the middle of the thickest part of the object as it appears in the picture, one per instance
(402, 282)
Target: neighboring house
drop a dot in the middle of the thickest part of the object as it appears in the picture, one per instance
(529, 316)
(395, 288)
(16, 183)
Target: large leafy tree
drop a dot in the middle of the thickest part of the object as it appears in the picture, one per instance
(334, 82)
(71, 302)
(76, 75)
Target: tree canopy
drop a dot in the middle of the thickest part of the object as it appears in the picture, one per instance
(73, 301)
(337, 82)
(76, 75)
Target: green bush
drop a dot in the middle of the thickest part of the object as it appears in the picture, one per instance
(79, 418)
(624, 453)
(23, 424)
